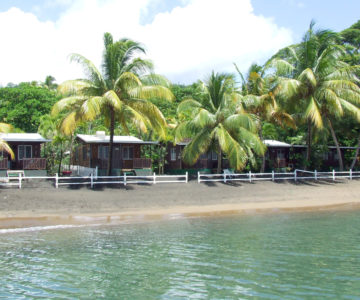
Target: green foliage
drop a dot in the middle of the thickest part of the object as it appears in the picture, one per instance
(23, 105)
(216, 122)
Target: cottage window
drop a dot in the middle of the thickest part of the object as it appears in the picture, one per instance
(103, 152)
(281, 154)
(173, 154)
(24, 151)
(214, 155)
(128, 152)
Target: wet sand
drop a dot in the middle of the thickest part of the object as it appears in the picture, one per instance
(45, 205)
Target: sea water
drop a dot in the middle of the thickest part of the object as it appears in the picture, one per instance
(277, 256)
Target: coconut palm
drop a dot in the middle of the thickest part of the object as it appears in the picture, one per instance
(260, 91)
(119, 94)
(4, 146)
(218, 122)
(318, 83)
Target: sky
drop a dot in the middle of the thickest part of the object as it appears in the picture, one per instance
(186, 39)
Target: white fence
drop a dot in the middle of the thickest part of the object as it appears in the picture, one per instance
(225, 177)
(296, 175)
(94, 180)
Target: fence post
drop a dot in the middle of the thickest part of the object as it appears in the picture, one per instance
(295, 175)
(187, 177)
(272, 175)
(154, 178)
(96, 172)
(56, 180)
(198, 177)
(350, 174)
(91, 180)
(333, 174)
(125, 178)
(249, 176)
(19, 181)
(224, 177)
(315, 174)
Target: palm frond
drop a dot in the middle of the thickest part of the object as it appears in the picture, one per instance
(5, 128)
(4, 146)
(313, 113)
(235, 153)
(90, 70)
(199, 144)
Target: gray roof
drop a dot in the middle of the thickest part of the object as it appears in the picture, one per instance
(23, 137)
(118, 139)
(274, 143)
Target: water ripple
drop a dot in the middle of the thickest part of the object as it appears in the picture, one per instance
(293, 256)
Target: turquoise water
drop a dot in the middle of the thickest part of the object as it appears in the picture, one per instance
(279, 256)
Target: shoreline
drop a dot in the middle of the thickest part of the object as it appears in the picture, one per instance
(45, 206)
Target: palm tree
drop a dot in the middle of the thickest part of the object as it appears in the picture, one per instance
(218, 122)
(120, 94)
(318, 83)
(50, 82)
(4, 146)
(260, 91)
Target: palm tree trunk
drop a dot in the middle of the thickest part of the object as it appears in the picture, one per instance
(308, 145)
(341, 165)
(112, 125)
(219, 161)
(61, 156)
(356, 155)
(71, 151)
(262, 169)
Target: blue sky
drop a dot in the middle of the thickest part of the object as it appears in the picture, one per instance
(185, 38)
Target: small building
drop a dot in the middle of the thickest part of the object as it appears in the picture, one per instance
(277, 155)
(27, 150)
(174, 163)
(93, 151)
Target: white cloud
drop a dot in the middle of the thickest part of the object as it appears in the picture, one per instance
(185, 44)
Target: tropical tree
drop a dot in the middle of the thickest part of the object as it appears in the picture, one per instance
(217, 121)
(24, 104)
(120, 93)
(260, 91)
(317, 83)
(4, 146)
(50, 82)
(351, 40)
(54, 152)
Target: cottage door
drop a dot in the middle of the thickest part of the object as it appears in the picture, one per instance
(117, 157)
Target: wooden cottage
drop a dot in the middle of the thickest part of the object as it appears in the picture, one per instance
(174, 164)
(27, 150)
(93, 151)
(277, 155)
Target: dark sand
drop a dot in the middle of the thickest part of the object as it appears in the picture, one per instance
(44, 204)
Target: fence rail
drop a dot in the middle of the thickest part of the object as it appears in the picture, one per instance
(296, 175)
(94, 180)
(225, 177)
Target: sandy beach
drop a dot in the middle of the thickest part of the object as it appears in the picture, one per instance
(45, 205)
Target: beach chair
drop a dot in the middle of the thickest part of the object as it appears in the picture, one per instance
(229, 173)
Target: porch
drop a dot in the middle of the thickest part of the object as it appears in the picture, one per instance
(23, 164)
